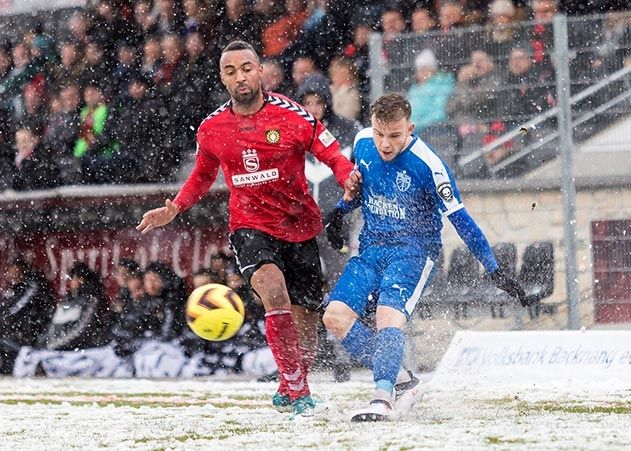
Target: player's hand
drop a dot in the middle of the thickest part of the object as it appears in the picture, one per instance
(511, 285)
(352, 185)
(158, 217)
(333, 226)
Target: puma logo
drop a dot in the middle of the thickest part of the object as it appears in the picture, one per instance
(365, 164)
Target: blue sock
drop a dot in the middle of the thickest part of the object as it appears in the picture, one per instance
(360, 343)
(388, 357)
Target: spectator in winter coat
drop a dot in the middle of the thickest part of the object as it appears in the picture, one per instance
(422, 21)
(194, 88)
(525, 95)
(141, 318)
(22, 72)
(127, 62)
(94, 147)
(346, 98)
(144, 22)
(474, 103)
(238, 22)
(429, 95)
(164, 287)
(301, 68)
(286, 30)
(61, 133)
(82, 318)
(96, 69)
(35, 114)
(151, 58)
(503, 31)
(136, 127)
(34, 167)
(70, 66)
(125, 269)
(26, 307)
(273, 78)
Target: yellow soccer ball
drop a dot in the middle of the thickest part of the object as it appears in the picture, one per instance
(215, 312)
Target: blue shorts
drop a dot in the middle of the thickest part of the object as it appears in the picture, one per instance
(394, 276)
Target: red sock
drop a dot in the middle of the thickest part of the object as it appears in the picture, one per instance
(308, 358)
(282, 339)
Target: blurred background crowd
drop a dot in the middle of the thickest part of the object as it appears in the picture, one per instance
(140, 331)
(114, 93)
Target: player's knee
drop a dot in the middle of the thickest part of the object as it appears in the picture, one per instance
(338, 319)
(269, 283)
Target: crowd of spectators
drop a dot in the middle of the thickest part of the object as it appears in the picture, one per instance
(87, 333)
(117, 94)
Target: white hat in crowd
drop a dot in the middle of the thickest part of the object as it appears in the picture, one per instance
(502, 8)
(426, 59)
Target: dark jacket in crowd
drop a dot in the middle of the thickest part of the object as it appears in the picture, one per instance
(38, 171)
(195, 87)
(172, 300)
(140, 320)
(138, 125)
(82, 318)
(7, 151)
(26, 308)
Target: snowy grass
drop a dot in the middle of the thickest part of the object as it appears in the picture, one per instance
(236, 415)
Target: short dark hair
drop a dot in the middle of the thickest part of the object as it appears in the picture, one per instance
(391, 107)
(240, 45)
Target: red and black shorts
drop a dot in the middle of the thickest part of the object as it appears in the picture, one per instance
(299, 262)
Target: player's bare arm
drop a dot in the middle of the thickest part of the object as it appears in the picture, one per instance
(158, 217)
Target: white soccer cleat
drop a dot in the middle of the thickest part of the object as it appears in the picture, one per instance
(377, 410)
(406, 394)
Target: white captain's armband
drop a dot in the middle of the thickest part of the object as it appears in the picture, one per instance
(326, 138)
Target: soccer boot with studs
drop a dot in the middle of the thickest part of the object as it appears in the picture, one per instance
(377, 410)
(303, 407)
(281, 402)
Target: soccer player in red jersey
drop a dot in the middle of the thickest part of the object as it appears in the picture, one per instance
(259, 139)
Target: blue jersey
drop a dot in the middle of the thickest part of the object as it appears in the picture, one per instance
(403, 200)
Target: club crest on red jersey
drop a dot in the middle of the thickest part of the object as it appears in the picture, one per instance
(250, 160)
(272, 136)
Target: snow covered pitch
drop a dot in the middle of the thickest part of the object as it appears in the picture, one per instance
(236, 415)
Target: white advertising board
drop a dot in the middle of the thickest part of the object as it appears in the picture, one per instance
(522, 358)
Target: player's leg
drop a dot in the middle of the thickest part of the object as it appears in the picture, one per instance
(401, 287)
(347, 307)
(258, 259)
(388, 355)
(306, 321)
(305, 284)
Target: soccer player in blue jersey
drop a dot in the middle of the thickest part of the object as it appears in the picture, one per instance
(406, 190)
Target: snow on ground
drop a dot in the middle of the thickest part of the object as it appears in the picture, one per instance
(236, 415)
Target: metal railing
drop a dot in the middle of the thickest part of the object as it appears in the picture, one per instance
(599, 56)
(532, 124)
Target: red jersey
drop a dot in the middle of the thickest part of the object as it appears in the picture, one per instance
(263, 160)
